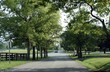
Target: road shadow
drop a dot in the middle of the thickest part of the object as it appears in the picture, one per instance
(50, 70)
(58, 58)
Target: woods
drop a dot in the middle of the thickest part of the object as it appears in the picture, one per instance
(34, 24)
(29, 23)
(31, 29)
(88, 26)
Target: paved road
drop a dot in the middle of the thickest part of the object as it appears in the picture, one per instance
(58, 62)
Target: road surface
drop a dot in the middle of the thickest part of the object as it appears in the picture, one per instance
(58, 62)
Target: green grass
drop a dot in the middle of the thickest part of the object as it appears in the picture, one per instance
(50, 51)
(17, 51)
(7, 65)
(22, 51)
(95, 61)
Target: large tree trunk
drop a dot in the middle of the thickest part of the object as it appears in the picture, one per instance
(33, 53)
(79, 52)
(41, 53)
(104, 50)
(37, 53)
(88, 52)
(44, 53)
(74, 53)
(28, 50)
(85, 51)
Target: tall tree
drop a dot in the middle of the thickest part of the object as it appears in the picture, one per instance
(29, 22)
(81, 32)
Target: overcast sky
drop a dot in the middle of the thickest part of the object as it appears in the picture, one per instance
(63, 20)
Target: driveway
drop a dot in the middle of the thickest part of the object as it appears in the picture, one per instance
(57, 62)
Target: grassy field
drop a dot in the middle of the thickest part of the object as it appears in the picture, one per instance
(18, 51)
(95, 61)
(7, 65)
(22, 51)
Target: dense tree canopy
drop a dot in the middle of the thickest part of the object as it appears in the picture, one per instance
(35, 23)
(29, 22)
(81, 13)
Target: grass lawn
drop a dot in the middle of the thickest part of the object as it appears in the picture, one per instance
(95, 61)
(17, 51)
(22, 51)
(7, 65)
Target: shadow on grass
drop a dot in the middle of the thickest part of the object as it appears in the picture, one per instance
(85, 57)
(104, 68)
(88, 57)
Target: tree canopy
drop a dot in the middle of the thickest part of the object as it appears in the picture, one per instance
(29, 22)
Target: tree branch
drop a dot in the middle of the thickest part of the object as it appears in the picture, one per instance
(101, 20)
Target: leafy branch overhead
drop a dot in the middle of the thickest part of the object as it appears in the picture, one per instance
(29, 22)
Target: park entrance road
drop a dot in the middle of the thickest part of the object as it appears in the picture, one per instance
(58, 62)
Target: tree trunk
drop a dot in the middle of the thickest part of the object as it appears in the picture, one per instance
(74, 52)
(104, 51)
(44, 53)
(37, 53)
(88, 52)
(40, 52)
(85, 51)
(79, 53)
(109, 49)
(33, 53)
(28, 50)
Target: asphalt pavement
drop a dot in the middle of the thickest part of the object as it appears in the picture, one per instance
(57, 62)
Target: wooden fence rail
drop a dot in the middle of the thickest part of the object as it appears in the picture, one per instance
(13, 56)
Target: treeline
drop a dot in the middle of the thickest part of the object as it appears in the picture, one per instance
(89, 26)
(33, 24)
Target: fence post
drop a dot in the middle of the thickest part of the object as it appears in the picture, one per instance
(6, 56)
(16, 55)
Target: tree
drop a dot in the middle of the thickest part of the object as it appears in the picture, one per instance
(81, 32)
(98, 10)
(82, 37)
(29, 22)
(48, 31)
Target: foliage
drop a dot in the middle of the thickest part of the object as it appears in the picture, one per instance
(2, 45)
(80, 34)
(95, 61)
(29, 21)
(6, 65)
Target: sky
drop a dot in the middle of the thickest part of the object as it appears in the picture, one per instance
(63, 20)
